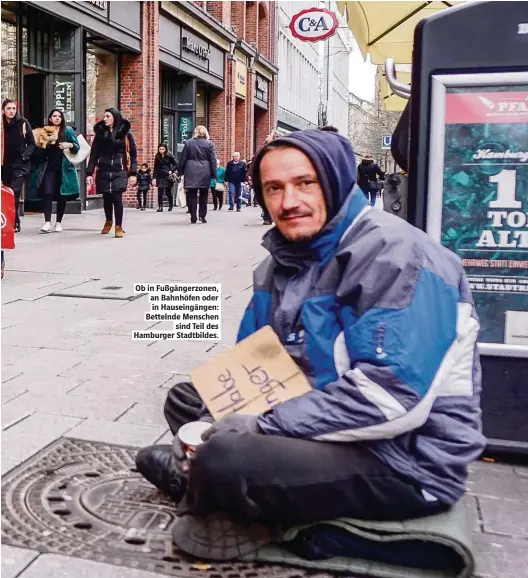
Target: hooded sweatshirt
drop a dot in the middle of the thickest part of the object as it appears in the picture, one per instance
(380, 319)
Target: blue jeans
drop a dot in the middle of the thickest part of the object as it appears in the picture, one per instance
(235, 190)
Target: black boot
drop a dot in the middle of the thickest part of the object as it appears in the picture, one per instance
(159, 466)
(160, 209)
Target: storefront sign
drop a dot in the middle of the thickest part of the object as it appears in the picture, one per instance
(313, 24)
(98, 4)
(185, 130)
(241, 79)
(262, 88)
(484, 208)
(64, 95)
(200, 50)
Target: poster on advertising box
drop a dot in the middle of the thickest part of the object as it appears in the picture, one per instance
(478, 197)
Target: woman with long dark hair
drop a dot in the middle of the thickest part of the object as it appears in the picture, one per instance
(18, 145)
(164, 168)
(53, 177)
(114, 154)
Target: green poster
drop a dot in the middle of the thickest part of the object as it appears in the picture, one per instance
(185, 129)
(485, 203)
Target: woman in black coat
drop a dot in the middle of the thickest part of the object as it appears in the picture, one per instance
(164, 166)
(198, 167)
(18, 144)
(114, 154)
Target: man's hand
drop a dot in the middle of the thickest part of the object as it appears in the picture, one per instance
(234, 422)
(153, 182)
(132, 181)
(65, 145)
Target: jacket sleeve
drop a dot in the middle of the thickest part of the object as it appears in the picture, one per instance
(72, 138)
(30, 143)
(212, 160)
(156, 168)
(390, 361)
(133, 155)
(183, 159)
(94, 157)
(174, 164)
(227, 174)
(379, 172)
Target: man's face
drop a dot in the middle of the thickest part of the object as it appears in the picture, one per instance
(10, 110)
(236, 157)
(292, 193)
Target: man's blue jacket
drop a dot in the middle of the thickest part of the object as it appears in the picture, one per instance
(381, 320)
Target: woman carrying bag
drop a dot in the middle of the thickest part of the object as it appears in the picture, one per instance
(53, 176)
(218, 187)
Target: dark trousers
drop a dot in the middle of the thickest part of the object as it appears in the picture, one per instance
(218, 198)
(113, 204)
(195, 197)
(50, 190)
(165, 191)
(290, 481)
(142, 195)
(16, 184)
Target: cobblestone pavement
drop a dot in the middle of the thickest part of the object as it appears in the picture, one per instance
(70, 368)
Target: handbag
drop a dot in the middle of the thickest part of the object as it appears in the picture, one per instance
(220, 187)
(181, 198)
(81, 155)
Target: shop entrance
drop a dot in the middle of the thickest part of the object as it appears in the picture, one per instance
(35, 97)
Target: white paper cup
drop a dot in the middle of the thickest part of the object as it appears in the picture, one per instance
(190, 435)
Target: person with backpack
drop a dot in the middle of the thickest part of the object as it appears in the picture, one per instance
(114, 154)
(165, 169)
(144, 182)
(18, 144)
(53, 176)
(368, 172)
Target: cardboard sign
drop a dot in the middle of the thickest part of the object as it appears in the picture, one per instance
(251, 378)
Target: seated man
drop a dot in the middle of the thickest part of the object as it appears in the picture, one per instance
(380, 319)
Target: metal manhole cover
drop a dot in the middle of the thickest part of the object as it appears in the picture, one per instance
(85, 499)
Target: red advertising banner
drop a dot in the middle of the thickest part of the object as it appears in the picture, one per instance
(8, 218)
(486, 107)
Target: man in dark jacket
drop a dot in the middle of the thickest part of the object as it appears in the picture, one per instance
(235, 175)
(368, 172)
(18, 144)
(198, 167)
(380, 319)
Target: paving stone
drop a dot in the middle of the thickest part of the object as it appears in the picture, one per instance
(70, 405)
(124, 389)
(14, 560)
(472, 513)
(496, 480)
(167, 438)
(144, 414)
(117, 433)
(30, 435)
(504, 516)
(46, 361)
(12, 389)
(53, 340)
(500, 557)
(57, 566)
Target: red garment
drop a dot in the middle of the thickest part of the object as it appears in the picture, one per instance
(8, 218)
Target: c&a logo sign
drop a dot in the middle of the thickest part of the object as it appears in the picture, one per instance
(313, 24)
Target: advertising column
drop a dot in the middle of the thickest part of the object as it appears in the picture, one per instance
(483, 215)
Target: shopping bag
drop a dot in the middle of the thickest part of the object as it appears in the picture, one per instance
(8, 218)
(82, 154)
(181, 199)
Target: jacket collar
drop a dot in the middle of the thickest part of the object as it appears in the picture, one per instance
(124, 127)
(323, 246)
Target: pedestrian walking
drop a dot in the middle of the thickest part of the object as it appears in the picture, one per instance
(368, 172)
(114, 155)
(218, 187)
(53, 176)
(198, 167)
(144, 182)
(235, 175)
(165, 168)
(18, 144)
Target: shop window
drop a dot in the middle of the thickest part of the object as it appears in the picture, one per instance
(202, 105)
(9, 56)
(167, 128)
(101, 88)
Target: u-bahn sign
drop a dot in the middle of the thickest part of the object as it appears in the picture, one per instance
(313, 24)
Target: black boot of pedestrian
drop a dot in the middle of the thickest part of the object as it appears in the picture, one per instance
(160, 210)
(159, 466)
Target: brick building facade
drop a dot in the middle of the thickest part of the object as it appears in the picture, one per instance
(167, 66)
